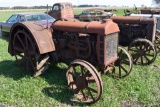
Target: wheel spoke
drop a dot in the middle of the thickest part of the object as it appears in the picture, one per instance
(82, 70)
(18, 49)
(124, 62)
(91, 94)
(149, 55)
(136, 59)
(87, 74)
(91, 89)
(142, 60)
(83, 95)
(147, 58)
(72, 74)
(20, 40)
(91, 79)
(75, 73)
(124, 69)
(133, 50)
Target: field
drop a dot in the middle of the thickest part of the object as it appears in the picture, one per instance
(19, 89)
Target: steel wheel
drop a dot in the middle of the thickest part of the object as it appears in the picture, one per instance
(123, 65)
(142, 51)
(84, 81)
(157, 42)
(26, 53)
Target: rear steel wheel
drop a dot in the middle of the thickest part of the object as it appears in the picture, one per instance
(84, 81)
(157, 41)
(26, 52)
(142, 51)
(123, 65)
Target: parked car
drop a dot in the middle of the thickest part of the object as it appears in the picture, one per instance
(22, 17)
(93, 14)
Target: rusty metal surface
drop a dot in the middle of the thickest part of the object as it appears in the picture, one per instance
(133, 20)
(106, 27)
(95, 43)
(133, 27)
(62, 10)
(138, 33)
(26, 51)
(106, 48)
(142, 51)
(81, 77)
(150, 11)
(41, 35)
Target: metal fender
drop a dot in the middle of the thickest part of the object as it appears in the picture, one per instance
(41, 36)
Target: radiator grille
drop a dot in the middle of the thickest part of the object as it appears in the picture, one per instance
(111, 45)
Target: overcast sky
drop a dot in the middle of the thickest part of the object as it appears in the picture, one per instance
(11, 3)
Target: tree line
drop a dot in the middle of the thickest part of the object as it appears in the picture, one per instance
(45, 7)
(25, 7)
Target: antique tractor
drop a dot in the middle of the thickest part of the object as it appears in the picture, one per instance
(138, 33)
(157, 35)
(150, 11)
(89, 48)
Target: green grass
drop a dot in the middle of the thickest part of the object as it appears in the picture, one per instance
(4, 15)
(19, 88)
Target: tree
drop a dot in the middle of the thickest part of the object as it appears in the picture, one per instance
(156, 2)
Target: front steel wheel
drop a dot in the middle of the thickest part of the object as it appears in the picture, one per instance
(123, 65)
(142, 51)
(84, 81)
(157, 41)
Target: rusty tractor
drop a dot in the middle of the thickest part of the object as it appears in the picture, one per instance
(88, 48)
(135, 32)
(138, 33)
(150, 11)
(153, 13)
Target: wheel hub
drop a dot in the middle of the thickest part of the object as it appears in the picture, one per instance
(81, 83)
(141, 52)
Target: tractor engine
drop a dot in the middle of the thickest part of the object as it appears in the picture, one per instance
(85, 40)
(130, 32)
(132, 27)
(71, 45)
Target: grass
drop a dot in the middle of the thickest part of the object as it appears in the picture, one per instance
(19, 88)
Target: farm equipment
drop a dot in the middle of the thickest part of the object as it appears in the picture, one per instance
(135, 32)
(89, 48)
(157, 36)
(62, 10)
(150, 11)
(138, 33)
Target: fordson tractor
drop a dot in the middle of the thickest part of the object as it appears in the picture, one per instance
(90, 49)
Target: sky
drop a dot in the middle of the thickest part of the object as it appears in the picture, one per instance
(11, 3)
